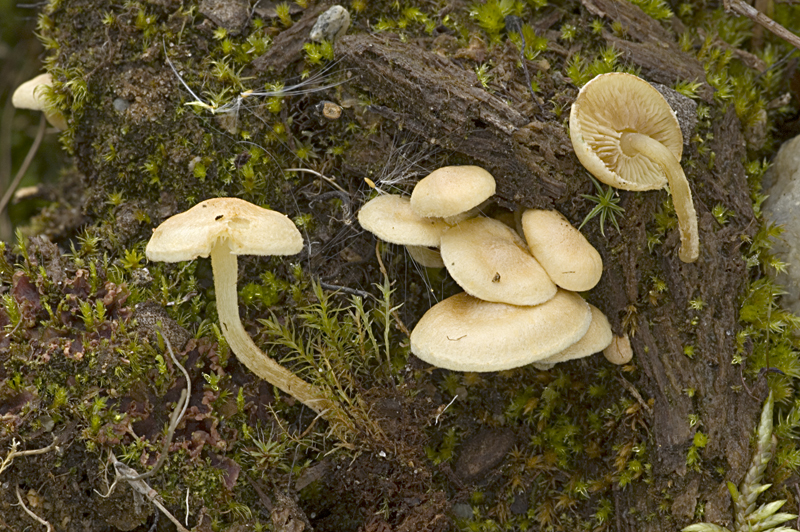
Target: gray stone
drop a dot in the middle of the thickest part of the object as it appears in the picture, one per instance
(782, 184)
(331, 25)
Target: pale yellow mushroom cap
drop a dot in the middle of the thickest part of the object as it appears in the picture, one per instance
(389, 217)
(619, 351)
(491, 262)
(452, 190)
(29, 96)
(597, 338)
(249, 229)
(606, 107)
(464, 333)
(570, 260)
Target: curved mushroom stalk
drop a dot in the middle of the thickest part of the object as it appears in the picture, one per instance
(224, 264)
(633, 144)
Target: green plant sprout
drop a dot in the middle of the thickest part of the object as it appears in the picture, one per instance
(607, 206)
(747, 517)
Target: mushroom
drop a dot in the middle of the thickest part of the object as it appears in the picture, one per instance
(389, 217)
(29, 96)
(451, 191)
(597, 338)
(619, 351)
(224, 228)
(491, 262)
(464, 333)
(565, 254)
(625, 133)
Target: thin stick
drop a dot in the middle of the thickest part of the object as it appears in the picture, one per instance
(13, 453)
(30, 513)
(24, 168)
(741, 8)
(321, 176)
(177, 414)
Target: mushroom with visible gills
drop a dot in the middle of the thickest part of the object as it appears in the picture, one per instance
(625, 133)
(224, 228)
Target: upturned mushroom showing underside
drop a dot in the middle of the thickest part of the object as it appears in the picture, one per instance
(625, 133)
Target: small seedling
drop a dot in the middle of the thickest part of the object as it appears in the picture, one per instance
(607, 206)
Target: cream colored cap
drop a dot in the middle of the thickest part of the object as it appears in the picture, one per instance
(619, 351)
(249, 229)
(29, 96)
(610, 105)
(451, 190)
(464, 333)
(491, 262)
(389, 217)
(597, 338)
(563, 251)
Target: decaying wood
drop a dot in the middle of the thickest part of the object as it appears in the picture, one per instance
(653, 48)
(725, 412)
(434, 98)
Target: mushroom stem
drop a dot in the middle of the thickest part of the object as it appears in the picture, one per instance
(224, 264)
(637, 144)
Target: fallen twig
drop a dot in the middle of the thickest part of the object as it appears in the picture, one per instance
(741, 8)
(13, 453)
(30, 513)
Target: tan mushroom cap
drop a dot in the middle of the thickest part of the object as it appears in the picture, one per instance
(565, 254)
(29, 96)
(597, 338)
(626, 134)
(619, 351)
(464, 333)
(250, 230)
(389, 217)
(606, 107)
(491, 262)
(424, 256)
(452, 190)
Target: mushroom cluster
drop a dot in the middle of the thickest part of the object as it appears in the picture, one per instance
(520, 304)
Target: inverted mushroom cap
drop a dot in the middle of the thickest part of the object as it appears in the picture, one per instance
(29, 95)
(249, 229)
(597, 338)
(451, 190)
(570, 260)
(389, 217)
(610, 105)
(490, 261)
(464, 333)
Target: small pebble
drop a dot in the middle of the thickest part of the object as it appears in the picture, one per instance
(121, 105)
(329, 110)
(331, 25)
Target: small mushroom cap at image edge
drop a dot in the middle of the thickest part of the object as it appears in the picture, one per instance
(250, 229)
(390, 218)
(565, 254)
(452, 190)
(464, 333)
(490, 261)
(29, 96)
(625, 133)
